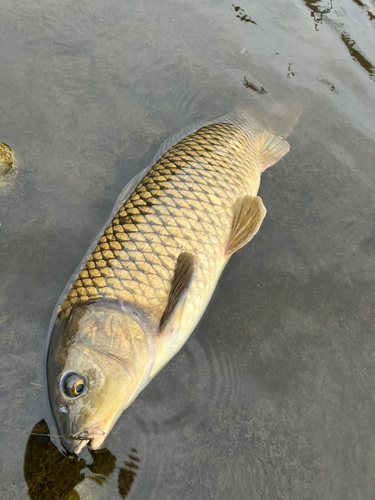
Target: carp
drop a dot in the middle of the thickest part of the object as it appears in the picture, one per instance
(139, 294)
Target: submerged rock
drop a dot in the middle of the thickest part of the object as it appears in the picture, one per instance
(8, 168)
(6, 159)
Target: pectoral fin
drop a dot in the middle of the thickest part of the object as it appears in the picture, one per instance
(248, 214)
(271, 149)
(186, 269)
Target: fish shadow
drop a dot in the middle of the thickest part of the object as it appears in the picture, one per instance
(51, 474)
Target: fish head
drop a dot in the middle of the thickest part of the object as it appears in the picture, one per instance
(99, 359)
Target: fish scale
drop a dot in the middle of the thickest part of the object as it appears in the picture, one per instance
(183, 203)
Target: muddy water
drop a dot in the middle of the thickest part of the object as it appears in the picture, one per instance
(273, 395)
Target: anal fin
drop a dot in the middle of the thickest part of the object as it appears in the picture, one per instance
(271, 149)
(248, 214)
(186, 269)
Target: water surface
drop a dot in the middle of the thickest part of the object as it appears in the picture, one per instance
(273, 395)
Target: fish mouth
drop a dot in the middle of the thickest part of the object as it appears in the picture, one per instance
(93, 436)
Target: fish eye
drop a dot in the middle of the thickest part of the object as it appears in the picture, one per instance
(73, 385)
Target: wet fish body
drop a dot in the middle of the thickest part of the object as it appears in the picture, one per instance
(148, 281)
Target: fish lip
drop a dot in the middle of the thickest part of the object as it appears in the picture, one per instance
(93, 436)
(94, 430)
(81, 444)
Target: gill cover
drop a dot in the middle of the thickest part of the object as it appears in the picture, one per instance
(99, 359)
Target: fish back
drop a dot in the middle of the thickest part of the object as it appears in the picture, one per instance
(183, 203)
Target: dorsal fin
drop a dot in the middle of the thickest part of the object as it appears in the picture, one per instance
(271, 148)
(248, 214)
(186, 269)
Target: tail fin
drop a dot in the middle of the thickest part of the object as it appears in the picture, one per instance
(267, 127)
(263, 113)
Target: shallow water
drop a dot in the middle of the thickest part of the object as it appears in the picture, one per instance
(273, 395)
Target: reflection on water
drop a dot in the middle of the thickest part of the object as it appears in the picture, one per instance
(241, 15)
(127, 474)
(290, 71)
(365, 7)
(51, 475)
(357, 55)
(330, 85)
(319, 9)
(252, 86)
